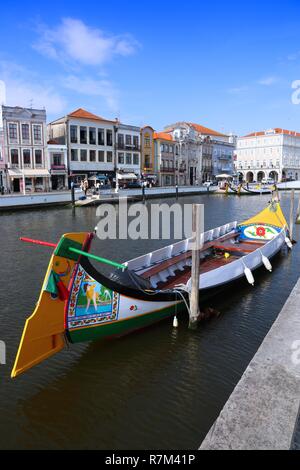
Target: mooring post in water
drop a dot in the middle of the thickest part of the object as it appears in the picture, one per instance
(298, 213)
(143, 192)
(197, 227)
(73, 194)
(292, 214)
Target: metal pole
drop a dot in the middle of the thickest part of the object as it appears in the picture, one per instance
(292, 214)
(176, 192)
(143, 192)
(195, 272)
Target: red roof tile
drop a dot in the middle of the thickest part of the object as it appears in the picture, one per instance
(81, 113)
(205, 130)
(277, 130)
(163, 136)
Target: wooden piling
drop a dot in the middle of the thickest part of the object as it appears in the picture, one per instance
(195, 272)
(143, 193)
(292, 214)
(73, 194)
(298, 213)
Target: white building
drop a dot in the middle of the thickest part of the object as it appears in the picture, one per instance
(25, 148)
(58, 162)
(274, 153)
(128, 150)
(203, 151)
(90, 144)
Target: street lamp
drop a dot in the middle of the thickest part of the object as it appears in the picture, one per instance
(116, 154)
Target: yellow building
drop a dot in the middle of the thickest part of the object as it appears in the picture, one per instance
(148, 167)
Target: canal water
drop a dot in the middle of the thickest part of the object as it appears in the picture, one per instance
(159, 388)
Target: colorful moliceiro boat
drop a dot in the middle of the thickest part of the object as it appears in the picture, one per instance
(79, 303)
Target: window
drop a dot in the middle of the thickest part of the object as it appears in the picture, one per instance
(83, 135)
(121, 141)
(101, 156)
(101, 137)
(14, 157)
(74, 155)
(83, 155)
(136, 141)
(109, 140)
(109, 157)
(162, 148)
(13, 132)
(147, 161)
(147, 140)
(38, 157)
(171, 150)
(128, 159)
(25, 132)
(136, 160)
(92, 135)
(37, 133)
(57, 158)
(92, 155)
(73, 134)
(26, 157)
(128, 139)
(121, 158)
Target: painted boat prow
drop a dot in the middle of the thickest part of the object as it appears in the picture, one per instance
(43, 334)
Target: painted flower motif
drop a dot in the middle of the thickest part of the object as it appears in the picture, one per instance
(133, 307)
(261, 231)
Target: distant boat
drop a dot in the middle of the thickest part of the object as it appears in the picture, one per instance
(80, 303)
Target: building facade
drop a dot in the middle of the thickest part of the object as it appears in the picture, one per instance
(203, 151)
(90, 144)
(128, 150)
(58, 163)
(148, 165)
(25, 148)
(274, 154)
(3, 166)
(97, 147)
(166, 151)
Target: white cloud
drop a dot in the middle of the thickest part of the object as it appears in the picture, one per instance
(91, 87)
(23, 89)
(238, 90)
(268, 81)
(73, 40)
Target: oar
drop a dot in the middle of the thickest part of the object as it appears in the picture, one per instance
(75, 250)
(97, 258)
(37, 242)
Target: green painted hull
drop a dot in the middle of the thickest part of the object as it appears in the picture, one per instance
(123, 327)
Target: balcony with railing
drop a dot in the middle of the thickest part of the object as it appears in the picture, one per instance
(166, 169)
(128, 147)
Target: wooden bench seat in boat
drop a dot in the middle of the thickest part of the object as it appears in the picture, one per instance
(165, 264)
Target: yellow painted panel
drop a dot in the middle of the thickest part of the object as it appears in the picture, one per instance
(43, 333)
(272, 215)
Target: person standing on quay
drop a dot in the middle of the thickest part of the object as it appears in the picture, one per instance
(85, 186)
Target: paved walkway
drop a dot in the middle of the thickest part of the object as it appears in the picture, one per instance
(262, 411)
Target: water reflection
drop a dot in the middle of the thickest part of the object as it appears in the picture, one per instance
(159, 388)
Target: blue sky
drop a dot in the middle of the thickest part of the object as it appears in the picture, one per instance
(227, 65)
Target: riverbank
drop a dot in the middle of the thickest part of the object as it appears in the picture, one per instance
(262, 412)
(30, 201)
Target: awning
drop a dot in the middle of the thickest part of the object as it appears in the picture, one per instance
(224, 175)
(126, 176)
(29, 173)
